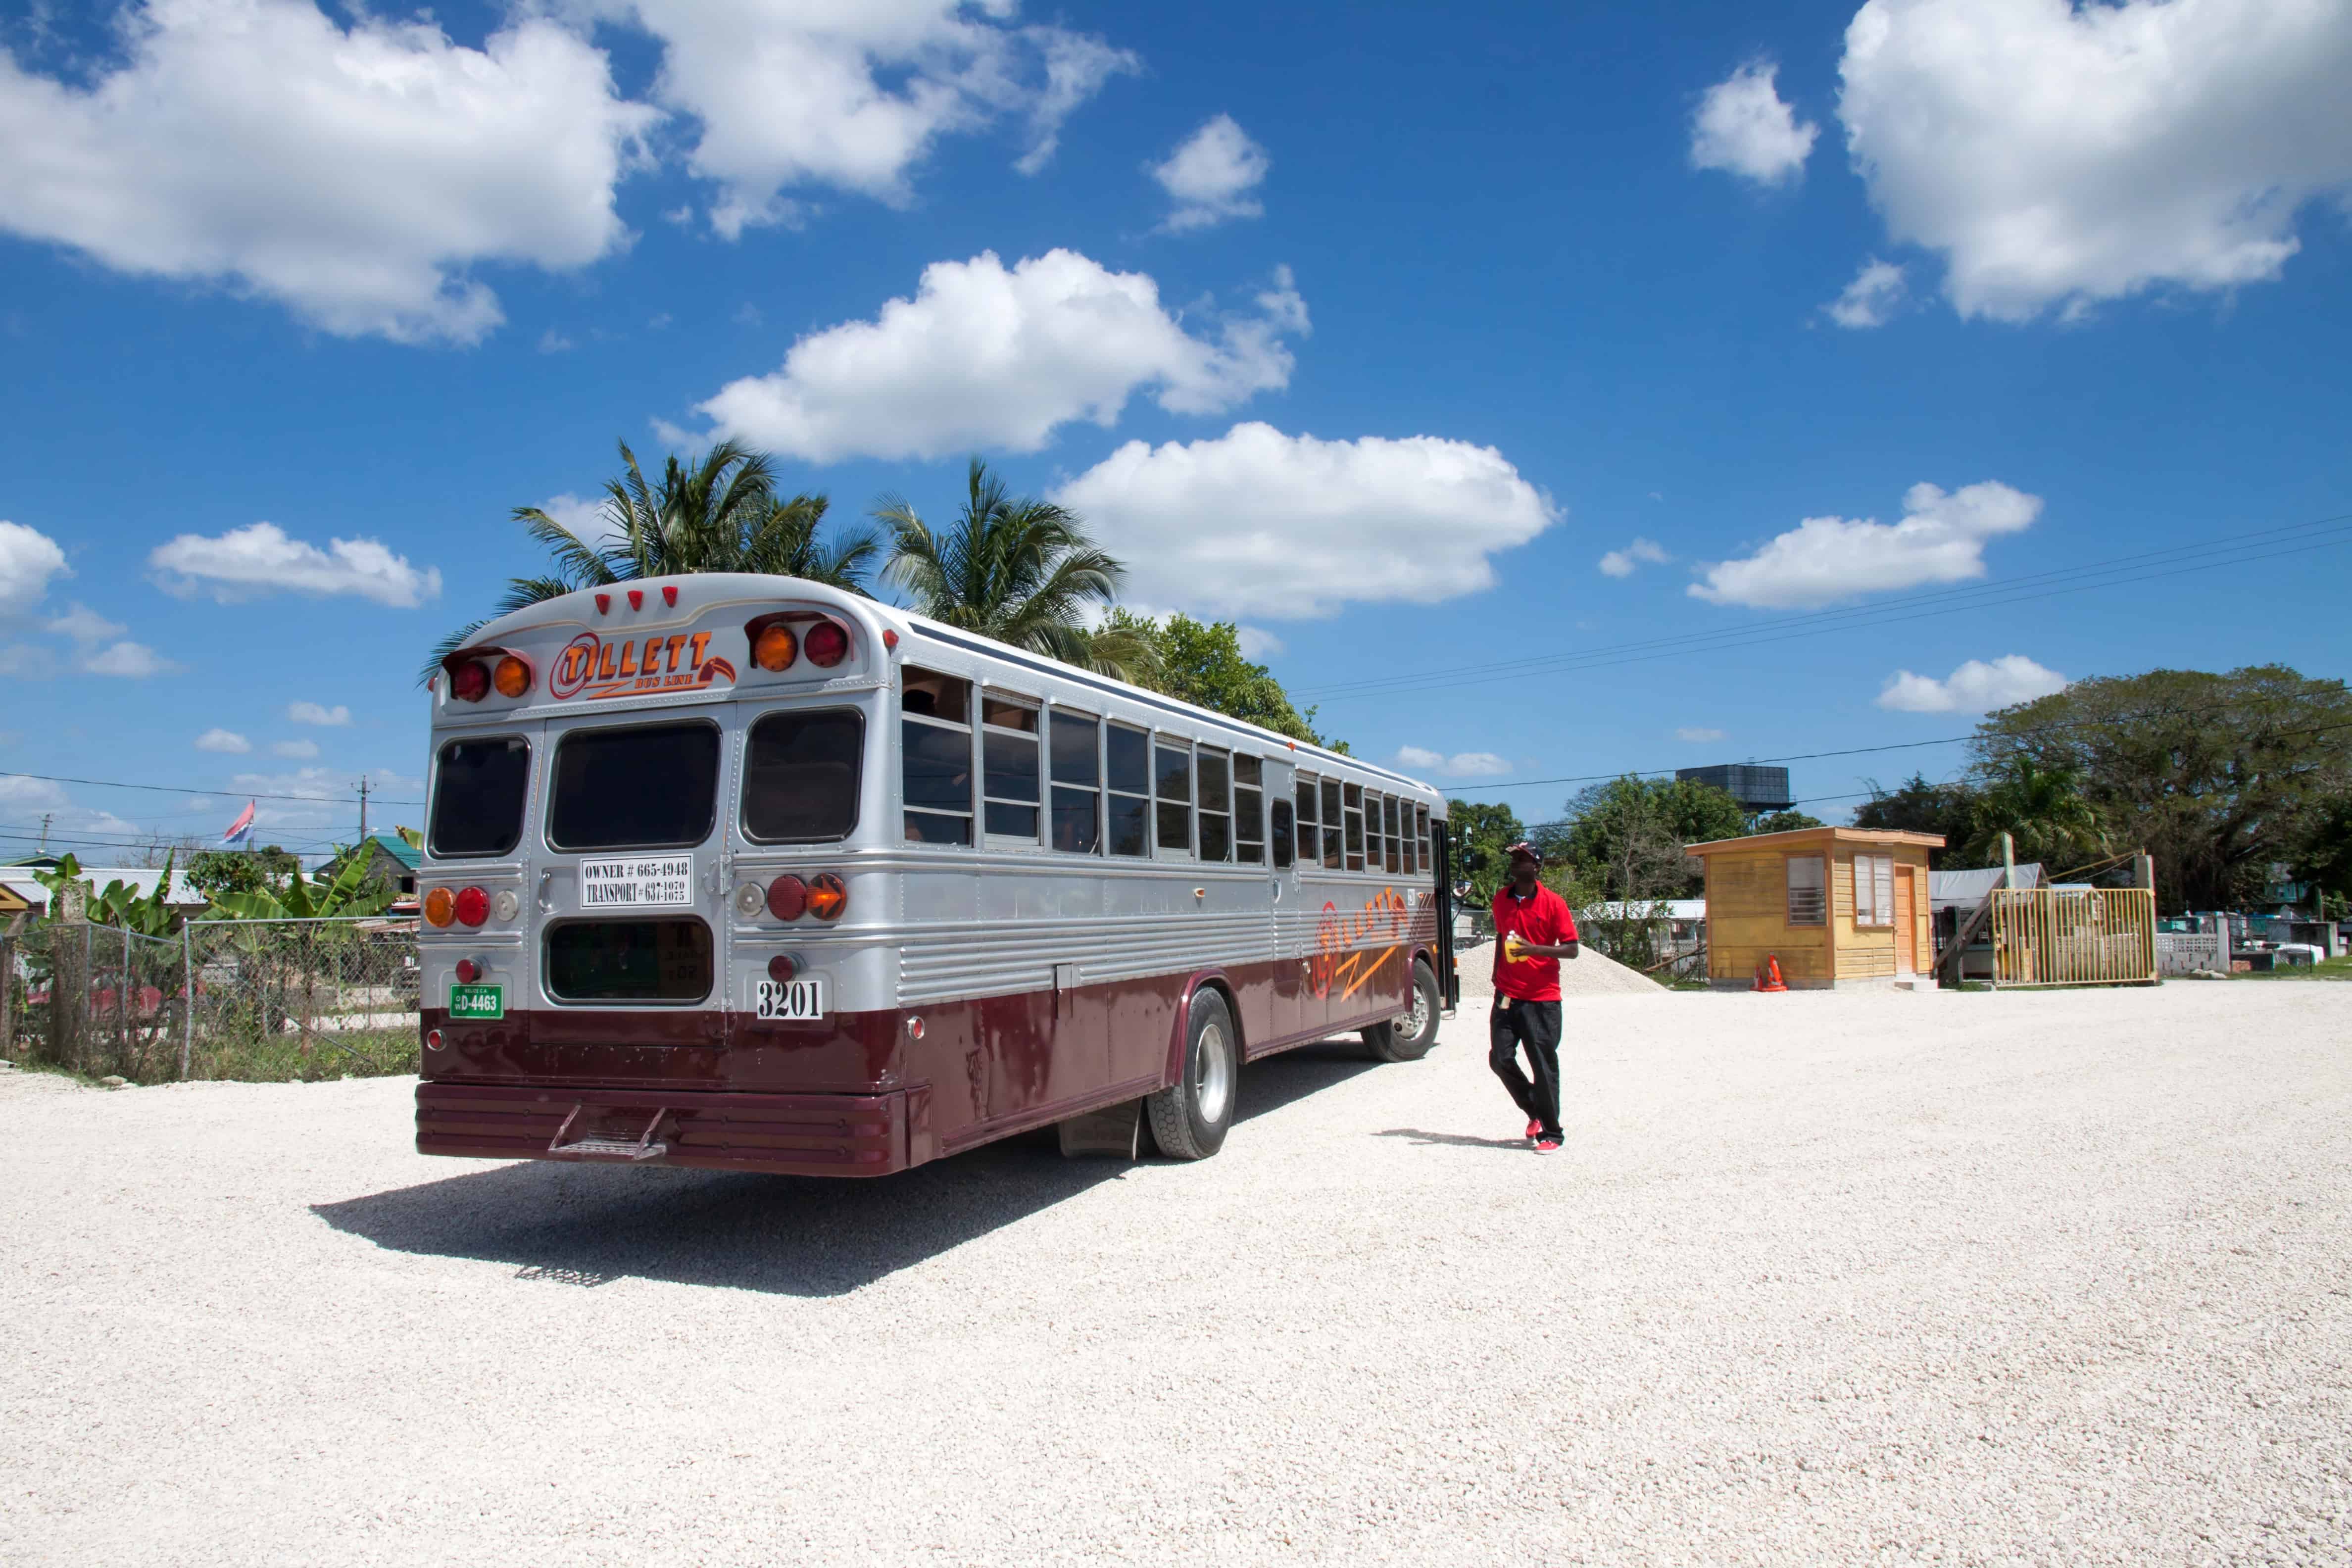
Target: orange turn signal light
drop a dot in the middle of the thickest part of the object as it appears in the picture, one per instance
(828, 896)
(776, 648)
(440, 907)
(512, 677)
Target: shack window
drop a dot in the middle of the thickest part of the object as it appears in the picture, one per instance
(1216, 805)
(800, 776)
(1009, 749)
(935, 734)
(1172, 771)
(1310, 844)
(1807, 890)
(1873, 889)
(478, 792)
(629, 960)
(1249, 810)
(1334, 855)
(1077, 782)
(1128, 754)
(1355, 820)
(647, 787)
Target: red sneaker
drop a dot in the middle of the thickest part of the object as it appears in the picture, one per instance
(1535, 1130)
(1549, 1145)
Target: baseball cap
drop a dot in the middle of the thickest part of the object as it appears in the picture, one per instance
(1526, 849)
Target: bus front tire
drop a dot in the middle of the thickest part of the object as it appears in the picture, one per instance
(1408, 1038)
(1189, 1118)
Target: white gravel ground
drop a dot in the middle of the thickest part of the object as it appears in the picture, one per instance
(2050, 1279)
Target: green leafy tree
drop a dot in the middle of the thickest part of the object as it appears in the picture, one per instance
(1948, 810)
(2325, 859)
(1782, 822)
(1626, 836)
(2044, 812)
(2220, 777)
(718, 513)
(349, 892)
(1480, 831)
(1203, 662)
(214, 872)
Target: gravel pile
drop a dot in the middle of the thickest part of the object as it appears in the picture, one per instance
(2035, 1279)
(1589, 973)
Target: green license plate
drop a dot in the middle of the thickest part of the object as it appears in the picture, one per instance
(486, 1004)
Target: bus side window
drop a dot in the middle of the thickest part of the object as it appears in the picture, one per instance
(935, 734)
(1355, 820)
(1391, 840)
(1129, 755)
(1334, 856)
(1373, 851)
(1216, 805)
(1285, 823)
(1310, 846)
(1171, 777)
(1249, 810)
(1077, 781)
(1008, 739)
(1411, 839)
(1423, 846)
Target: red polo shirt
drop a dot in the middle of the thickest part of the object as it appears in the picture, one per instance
(1543, 918)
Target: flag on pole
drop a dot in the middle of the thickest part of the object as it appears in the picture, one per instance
(240, 832)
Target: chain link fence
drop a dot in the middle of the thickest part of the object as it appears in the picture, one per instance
(256, 1001)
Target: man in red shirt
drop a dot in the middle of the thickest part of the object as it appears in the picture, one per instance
(1534, 930)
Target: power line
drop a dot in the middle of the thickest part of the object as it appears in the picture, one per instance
(191, 789)
(2287, 539)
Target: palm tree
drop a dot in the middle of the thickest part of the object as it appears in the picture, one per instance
(2043, 808)
(1018, 568)
(719, 514)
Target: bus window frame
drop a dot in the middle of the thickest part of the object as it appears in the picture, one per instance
(1203, 757)
(973, 824)
(743, 776)
(1255, 816)
(1179, 745)
(530, 760)
(1099, 789)
(651, 719)
(1035, 739)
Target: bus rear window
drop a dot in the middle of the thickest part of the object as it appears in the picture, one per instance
(478, 795)
(800, 776)
(649, 786)
(629, 960)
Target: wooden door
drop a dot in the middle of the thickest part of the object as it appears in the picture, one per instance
(1907, 927)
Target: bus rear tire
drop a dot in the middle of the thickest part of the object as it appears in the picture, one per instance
(1189, 1118)
(1408, 1038)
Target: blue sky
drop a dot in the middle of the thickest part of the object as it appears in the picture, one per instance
(1423, 346)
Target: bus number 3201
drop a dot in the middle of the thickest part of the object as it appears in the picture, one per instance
(790, 999)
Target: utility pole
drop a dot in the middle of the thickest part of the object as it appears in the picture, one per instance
(44, 833)
(363, 795)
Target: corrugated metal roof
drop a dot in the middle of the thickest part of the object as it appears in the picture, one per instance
(1966, 889)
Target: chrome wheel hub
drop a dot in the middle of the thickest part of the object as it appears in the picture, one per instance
(1418, 1019)
(1212, 1075)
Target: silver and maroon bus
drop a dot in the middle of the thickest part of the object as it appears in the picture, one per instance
(748, 873)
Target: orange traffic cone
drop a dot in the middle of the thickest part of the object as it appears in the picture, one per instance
(1768, 974)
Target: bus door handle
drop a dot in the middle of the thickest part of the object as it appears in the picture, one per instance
(546, 891)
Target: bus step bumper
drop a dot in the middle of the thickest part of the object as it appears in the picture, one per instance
(787, 1134)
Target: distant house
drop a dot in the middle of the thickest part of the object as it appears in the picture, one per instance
(392, 862)
(1836, 907)
(20, 883)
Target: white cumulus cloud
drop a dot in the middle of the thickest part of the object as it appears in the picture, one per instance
(318, 713)
(1872, 299)
(28, 559)
(228, 740)
(1976, 687)
(353, 173)
(259, 558)
(1257, 643)
(299, 750)
(853, 96)
(990, 356)
(2060, 155)
(1277, 527)
(1633, 557)
(1461, 766)
(1742, 128)
(1698, 735)
(1941, 539)
(1211, 176)
(131, 660)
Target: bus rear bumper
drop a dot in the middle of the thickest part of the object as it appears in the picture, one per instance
(786, 1135)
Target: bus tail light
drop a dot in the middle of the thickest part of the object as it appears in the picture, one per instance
(775, 647)
(473, 906)
(827, 645)
(787, 897)
(828, 896)
(468, 972)
(470, 681)
(780, 968)
(512, 677)
(749, 899)
(440, 907)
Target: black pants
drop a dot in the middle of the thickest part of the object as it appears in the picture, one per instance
(1536, 1026)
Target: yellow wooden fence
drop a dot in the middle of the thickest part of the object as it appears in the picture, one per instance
(2050, 936)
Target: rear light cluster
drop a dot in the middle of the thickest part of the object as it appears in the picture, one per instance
(787, 897)
(475, 679)
(776, 647)
(467, 906)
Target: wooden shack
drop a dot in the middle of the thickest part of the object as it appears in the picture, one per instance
(1839, 907)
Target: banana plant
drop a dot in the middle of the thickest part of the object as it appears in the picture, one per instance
(346, 894)
(121, 904)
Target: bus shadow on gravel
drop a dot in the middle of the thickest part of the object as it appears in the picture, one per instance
(582, 1225)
